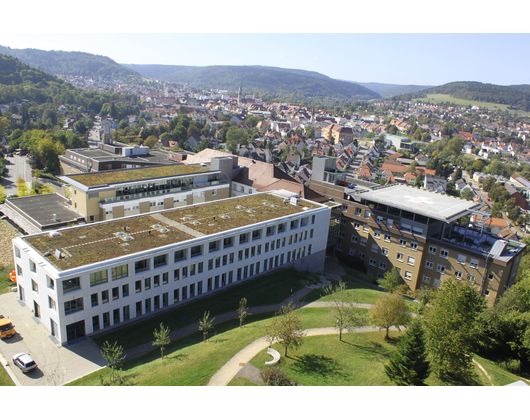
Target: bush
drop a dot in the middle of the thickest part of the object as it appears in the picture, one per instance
(274, 376)
(511, 365)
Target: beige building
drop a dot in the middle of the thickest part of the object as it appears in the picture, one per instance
(113, 194)
(337, 133)
(419, 232)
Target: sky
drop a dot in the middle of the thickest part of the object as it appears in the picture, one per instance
(420, 59)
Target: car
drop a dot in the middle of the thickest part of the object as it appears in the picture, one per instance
(24, 361)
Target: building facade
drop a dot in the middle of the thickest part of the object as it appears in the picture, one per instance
(110, 195)
(81, 280)
(419, 232)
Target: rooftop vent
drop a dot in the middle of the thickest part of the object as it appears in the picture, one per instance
(53, 234)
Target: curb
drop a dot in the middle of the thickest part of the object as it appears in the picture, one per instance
(9, 371)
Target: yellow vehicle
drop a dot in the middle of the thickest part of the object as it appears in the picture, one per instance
(7, 329)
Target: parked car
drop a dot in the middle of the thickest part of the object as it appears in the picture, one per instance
(24, 361)
(7, 329)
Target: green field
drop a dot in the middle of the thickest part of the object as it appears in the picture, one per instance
(442, 98)
(5, 283)
(5, 380)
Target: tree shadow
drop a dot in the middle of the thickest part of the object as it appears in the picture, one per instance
(177, 357)
(373, 350)
(317, 364)
(461, 380)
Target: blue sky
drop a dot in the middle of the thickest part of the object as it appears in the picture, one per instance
(431, 59)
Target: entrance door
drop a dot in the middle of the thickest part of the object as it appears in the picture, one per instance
(53, 328)
(75, 330)
(21, 293)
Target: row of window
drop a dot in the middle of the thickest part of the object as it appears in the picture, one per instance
(122, 271)
(212, 283)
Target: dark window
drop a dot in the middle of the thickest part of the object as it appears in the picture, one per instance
(72, 306)
(120, 272)
(160, 260)
(115, 293)
(94, 299)
(180, 255)
(71, 284)
(104, 296)
(140, 266)
(125, 290)
(196, 251)
(126, 313)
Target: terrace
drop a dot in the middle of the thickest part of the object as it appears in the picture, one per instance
(75, 247)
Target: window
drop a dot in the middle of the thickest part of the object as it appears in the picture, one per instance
(406, 227)
(165, 276)
(138, 286)
(363, 241)
(125, 290)
(339, 248)
(366, 228)
(462, 259)
(354, 239)
(400, 256)
(426, 279)
(176, 274)
(473, 263)
(367, 214)
(352, 251)
(19, 270)
(72, 306)
(179, 255)
(384, 251)
(471, 278)
(120, 272)
(256, 234)
(243, 238)
(142, 265)
(184, 272)
(402, 242)
(17, 252)
(357, 211)
(94, 299)
(440, 268)
(356, 225)
(98, 278)
(50, 282)
(34, 286)
(377, 234)
(71, 284)
(156, 281)
(147, 283)
(413, 246)
(432, 250)
(387, 238)
(411, 260)
(458, 274)
(115, 293)
(408, 275)
(361, 255)
(437, 283)
(214, 246)
(105, 296)
(382, 265)
(160, 260)
(341, 234)
(32, 267)
(282, 227)
(429, 264)
(375, 248)
(373, 261)
(417, 230)
(294, 224)
(491, 276)
(126, 313)
(444, 253)
(228, 242)
(195, 251)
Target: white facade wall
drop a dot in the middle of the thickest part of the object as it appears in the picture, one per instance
(310, 255)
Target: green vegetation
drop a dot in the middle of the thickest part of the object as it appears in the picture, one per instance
(5, 380)
(5, 283)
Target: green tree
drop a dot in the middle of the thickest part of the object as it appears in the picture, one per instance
(113, 354)
(451, 328)
(286, 328)
(343, 309)
(408, 365)
(467, 194)
(161, 338)
(151, 142)
(389, 310)
(22, 188)
(206, 325)
(242, 311)
(3, 194)
(391, 280)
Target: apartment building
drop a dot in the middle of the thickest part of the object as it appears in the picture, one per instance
(127, 192)
(419, 231)
(81, 280)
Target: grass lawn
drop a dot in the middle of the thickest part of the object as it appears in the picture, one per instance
(267, 290)
(5, 380)
(5, 283)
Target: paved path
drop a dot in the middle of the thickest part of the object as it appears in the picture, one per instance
(230, 369)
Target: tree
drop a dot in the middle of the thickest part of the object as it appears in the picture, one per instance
(274, 376)
(113, 354)
(391, 280)
(206, 325)
(3, 194)
(343, 309)
(286, 328)
(151, 141)
(409, 365)
(161, 338)
(242, 311)
(451, 328)
(467, 194)
(389, 310)
(22, 188)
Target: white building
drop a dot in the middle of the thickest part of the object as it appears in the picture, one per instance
(80, 280)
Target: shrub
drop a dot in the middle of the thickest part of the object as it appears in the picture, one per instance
(511, 365)
(274, 376)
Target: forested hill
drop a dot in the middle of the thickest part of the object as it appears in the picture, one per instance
(516, 96)
(274, 82)
(15, 72)
(157, 71)
(72, 63)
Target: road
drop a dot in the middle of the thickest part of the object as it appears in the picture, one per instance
(17, 166)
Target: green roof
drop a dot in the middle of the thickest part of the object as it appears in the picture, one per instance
(129, 175)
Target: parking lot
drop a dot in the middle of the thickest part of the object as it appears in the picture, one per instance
(56, 364)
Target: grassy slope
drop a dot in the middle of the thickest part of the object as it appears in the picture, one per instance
(5, 380)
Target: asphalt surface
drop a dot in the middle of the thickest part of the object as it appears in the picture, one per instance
(17, 166)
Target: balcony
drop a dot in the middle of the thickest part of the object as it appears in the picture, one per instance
(162, 191)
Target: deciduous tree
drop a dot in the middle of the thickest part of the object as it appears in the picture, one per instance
(286, 328)
(161, 338)
(389, 310)
(114, 356)
(451, 328)
(242, 311)
(391, 280)
(206, 325)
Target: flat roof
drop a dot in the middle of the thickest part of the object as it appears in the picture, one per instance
(97, 179)
(103, 241)
(420, 201)
(154, 156)
(39, 209)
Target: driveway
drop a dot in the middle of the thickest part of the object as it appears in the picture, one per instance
(56, 364)
(17, 166)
